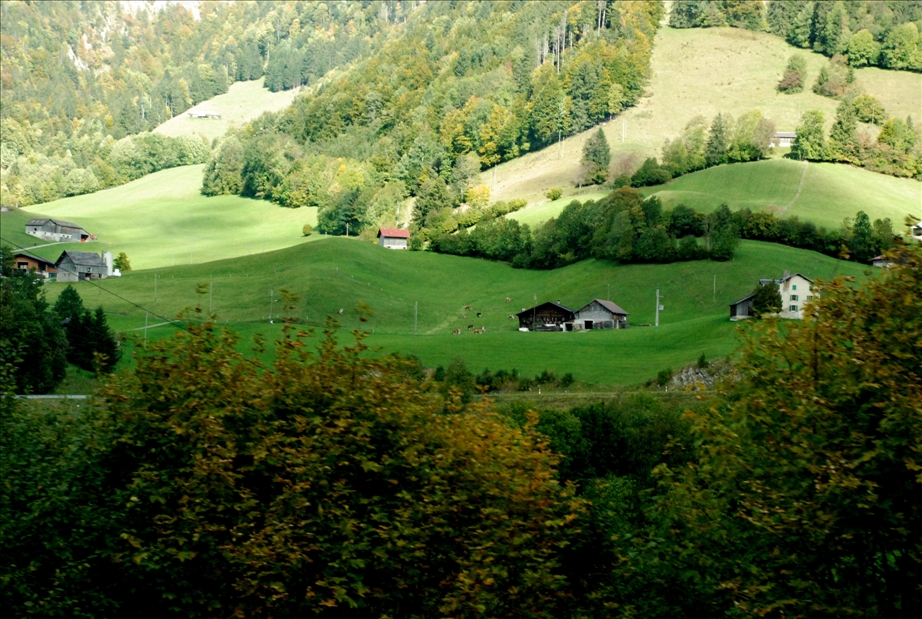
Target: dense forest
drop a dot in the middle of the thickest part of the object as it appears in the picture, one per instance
(885, 34)
(465, 86)
(79, 77)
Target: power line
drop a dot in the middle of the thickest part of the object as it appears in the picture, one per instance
(129, 301)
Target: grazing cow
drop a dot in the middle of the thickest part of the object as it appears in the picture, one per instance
(463, 315)
(478, 331)
(511, 316)
(508, 299)
(470, 326)
(467, 307)
(340, 310)
(456, 332)
(482, 329)
(479, 314)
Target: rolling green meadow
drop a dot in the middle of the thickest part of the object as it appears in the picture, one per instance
(823, 193)
(335, 274)
(162, 219)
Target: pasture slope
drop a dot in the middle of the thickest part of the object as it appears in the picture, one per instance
(242, 102)
(340, 273)
(162, 219)
(700, 71)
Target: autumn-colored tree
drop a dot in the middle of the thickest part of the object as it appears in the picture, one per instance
(807, 495)
(329, 483)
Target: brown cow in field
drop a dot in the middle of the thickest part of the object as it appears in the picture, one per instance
(478, 331)
(508, 299)
(456, 332)
(467, 307)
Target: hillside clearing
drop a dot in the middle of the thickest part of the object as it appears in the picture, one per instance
(242, 102)
(162, 219)
(701, 71)
(336, 274)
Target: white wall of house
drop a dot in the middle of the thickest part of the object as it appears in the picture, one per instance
(795, 292)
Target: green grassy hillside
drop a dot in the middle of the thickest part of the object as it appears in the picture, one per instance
(340, 273)
(162, 219)
(700, 71)
(824, 193)
(242, 102)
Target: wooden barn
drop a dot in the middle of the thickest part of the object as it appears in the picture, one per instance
(548, 316)
(600, 314)
(393, 238)
(742, 309)
(57, 231)
(28, 262)
(75, 266)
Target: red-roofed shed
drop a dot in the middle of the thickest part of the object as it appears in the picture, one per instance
(393, 238)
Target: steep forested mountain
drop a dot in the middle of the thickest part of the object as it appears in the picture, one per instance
(463, 87)
(78, 77)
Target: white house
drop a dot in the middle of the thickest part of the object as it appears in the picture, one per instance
(783, 139)
(795, 292)
(393, 238)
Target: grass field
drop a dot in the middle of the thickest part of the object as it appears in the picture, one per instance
(242, 102)
(700, 71)
(340, 273)
(823, 193)
(162, 219)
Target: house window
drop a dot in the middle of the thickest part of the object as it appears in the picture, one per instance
(792, 308)
(793, 297)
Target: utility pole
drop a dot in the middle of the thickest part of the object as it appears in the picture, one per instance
(347, 229)
(609, 292)
(155, 287)
(210, 288)
(146, 315)
(270, 306)
(658, 307)
(415, 316)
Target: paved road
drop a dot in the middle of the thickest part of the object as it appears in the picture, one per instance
(52, 397)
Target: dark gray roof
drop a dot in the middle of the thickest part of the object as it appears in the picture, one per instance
(83, 258)
(744, 299)
(787, 277)
(563, 307)
(611, 307)
(39, 221)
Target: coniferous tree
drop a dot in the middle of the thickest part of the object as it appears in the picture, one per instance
(596, 158)
(842, 143)
(719, 140)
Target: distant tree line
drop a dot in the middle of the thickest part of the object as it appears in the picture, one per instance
(897, 149)
(464, 87)
(625, 228)
(884, 34)
(622, 227)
